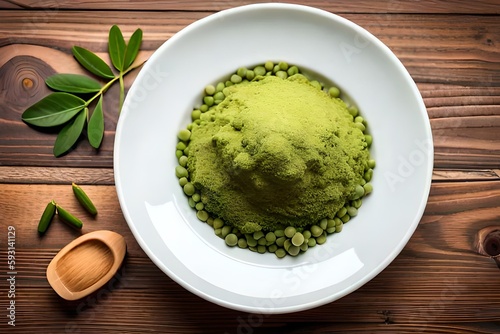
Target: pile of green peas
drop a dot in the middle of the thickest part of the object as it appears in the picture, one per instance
(290, 240)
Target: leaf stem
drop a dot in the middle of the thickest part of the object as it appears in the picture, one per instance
(111, 82)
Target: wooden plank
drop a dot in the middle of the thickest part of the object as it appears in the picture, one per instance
(457, 71)
(342, 6)
(438, 278)
(58, 175)
(105, 176)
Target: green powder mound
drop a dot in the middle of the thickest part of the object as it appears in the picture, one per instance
(276, 153)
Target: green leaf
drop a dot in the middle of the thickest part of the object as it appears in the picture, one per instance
(70, 133)
(116, 47)
(132, 49)
(54, 109)
(92, 62)
(73, 83)
(95, 127)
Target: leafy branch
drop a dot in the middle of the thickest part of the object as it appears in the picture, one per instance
(67, 107)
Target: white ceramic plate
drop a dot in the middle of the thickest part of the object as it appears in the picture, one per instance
(159, 104)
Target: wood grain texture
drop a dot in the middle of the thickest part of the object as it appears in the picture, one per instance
(457, 72)
(340, 6)
(437, 284)
(438, 278)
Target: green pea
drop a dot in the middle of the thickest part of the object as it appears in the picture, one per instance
(321, 239)
(311, 242)
(191, 202)
(195, 114)
(371, 163)
(202, 215)
(280, 253)
(298, 239)
(279, 233)
(272, 248)
(282, 74)
(331, 230)
(269, 65)
(292, 70)
(368, 188)
(209, 100)
(250, 75)
(250, 240)
(368, 175)
(218, 232)
(307, 234)
(345, 218)
(182, 181)
(316, 230)
(235, 78)
(218, 223)
(231, 239)
(181, 171)
(257, 235)
(287, 244)
(183, 161)
(353, 111)
(352, 211)
(262, 241)
(357, 203)
(283, 65)
(316, 84)
(359, 119)
(334, 92)
(242, 243)
(199, 206)
(271, 237)
(242, 72)
(293, 250)
(226, 229)
(359, 191)
(179, 153)
(259, 70)
(338, 228)
(290, 231)
(203, 108)
(184, 134)
(209, 90)
(219, 97)
(181, 146)
(189, 189)
(369, 140)
(196, 197)
(323, 223)
(304, 247)
(261, 249)
(342, 212)
(360, 126)
(276, 68)
(280, 241)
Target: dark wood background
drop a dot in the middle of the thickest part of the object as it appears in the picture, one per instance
(438, 284)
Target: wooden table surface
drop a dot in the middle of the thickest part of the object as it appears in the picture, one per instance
(438, 284)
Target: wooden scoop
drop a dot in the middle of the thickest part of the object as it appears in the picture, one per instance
(86, 264)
